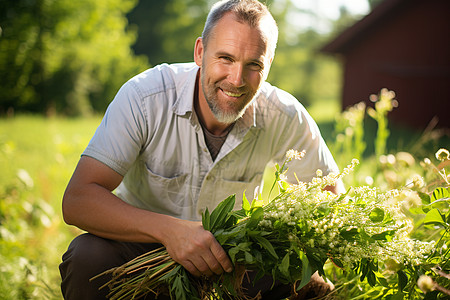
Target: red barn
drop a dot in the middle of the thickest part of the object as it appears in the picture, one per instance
(402, 45)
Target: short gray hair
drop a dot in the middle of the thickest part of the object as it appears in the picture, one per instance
(251, 12)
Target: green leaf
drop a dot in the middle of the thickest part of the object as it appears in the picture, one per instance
(245, 204)
(323, 210)
(425, 198)
(206, 220)
(241, 247)
(264, 243)
(383, 281)
(364, 268)
(363, 234)
(434, 217)
(255, 217)
(440, 193)
(238, 214)
(220, 214)
(337, 262)
(284, 266)
(376, 215)
(371, 278)
(397, 296)
(402, 280)
(349, 234)
(306, 271)
(283, 185)
(256, 203)
(315, 261)
(249, 259)
(384, 236)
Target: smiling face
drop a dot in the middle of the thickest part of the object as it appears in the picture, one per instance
(233, 66)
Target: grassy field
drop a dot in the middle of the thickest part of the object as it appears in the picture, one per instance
(38, 156)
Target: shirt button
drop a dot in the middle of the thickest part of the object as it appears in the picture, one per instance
(205, 150)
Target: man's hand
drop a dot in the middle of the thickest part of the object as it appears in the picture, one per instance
(196, 249)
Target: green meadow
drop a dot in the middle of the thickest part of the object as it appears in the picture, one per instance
(38, 156)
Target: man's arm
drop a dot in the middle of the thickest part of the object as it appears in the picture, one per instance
(89, 204)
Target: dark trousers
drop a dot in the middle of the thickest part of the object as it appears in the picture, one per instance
(89, 255)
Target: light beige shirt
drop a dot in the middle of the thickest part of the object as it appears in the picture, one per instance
(150, 134)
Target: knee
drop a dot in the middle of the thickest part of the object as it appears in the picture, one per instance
(89, 253)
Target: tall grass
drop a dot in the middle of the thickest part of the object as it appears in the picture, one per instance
(38, 156)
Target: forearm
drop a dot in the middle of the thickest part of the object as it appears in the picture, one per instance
(98, 211)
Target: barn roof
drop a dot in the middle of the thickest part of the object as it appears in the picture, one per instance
(385, 10)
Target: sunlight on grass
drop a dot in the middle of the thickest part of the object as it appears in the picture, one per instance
(324, 111)
(37, 156)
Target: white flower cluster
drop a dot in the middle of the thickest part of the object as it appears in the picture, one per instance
(364, 223)
(294, 154)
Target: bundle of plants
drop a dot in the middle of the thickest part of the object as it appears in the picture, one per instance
(289, 238)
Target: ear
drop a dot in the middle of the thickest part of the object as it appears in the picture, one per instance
(198, 51)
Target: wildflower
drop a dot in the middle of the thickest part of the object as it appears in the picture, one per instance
(425, 283)
(368, 180)
(405, 158)
(294, 154)
(418, 181)
(25, 177)
(443, 154)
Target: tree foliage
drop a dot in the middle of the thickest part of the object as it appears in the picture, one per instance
(64, 56)
(168, 29)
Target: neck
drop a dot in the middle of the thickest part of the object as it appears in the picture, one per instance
(204, 113)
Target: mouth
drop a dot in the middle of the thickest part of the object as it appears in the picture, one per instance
(232, 94)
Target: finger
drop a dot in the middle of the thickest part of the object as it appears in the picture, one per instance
(221, 257)
(201, 265)
(213, 264)
(191, 268)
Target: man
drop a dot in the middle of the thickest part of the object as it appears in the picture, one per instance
(179, 138)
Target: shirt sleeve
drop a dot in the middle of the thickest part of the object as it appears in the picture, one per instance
(119, 138)
(302, 133)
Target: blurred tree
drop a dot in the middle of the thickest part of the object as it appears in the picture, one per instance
(373, 3)
(64, 56)
(168, 29)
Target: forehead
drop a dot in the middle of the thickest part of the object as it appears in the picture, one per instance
(231, 34)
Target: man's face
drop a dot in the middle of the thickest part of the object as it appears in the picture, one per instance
(233, 67)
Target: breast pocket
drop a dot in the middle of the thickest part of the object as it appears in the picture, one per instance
(169, 195)
(229, 187)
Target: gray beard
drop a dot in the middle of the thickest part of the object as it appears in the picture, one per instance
(223, 116)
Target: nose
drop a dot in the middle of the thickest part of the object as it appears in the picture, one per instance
(236, 76)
